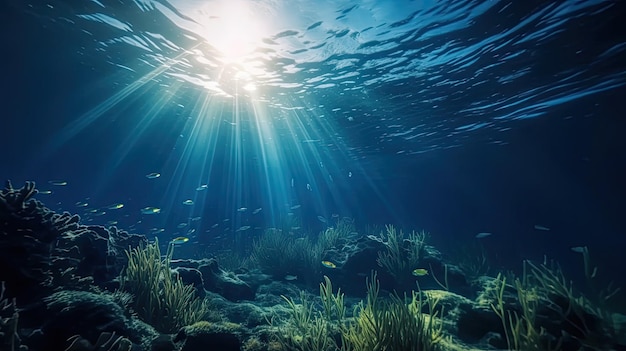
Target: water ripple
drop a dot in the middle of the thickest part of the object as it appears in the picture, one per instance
(444, 69)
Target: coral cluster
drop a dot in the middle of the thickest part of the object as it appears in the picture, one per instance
(44, 250)
(80, 287)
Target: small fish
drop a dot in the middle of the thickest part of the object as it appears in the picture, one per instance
(482, 235)
(257, 210)
(579, 249)
(188, 202)
(295, 207)
(81, 204)
(322, 219)
(243, 227)
(290, 277)
(242, 209)
(328, 264)
(57, 182)
(215, 225)
(44, 192)
(181, 225)
(540, 227)
(116, 206)
(153, 175)
(202, 187)
(195, 219)
(420, 272)
(150, 210)
(180, 240)
(349, 174)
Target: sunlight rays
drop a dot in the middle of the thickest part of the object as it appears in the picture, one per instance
(88, 118)
(227, 134)
(233, 29)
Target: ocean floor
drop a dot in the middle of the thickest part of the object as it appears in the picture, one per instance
(71, 286)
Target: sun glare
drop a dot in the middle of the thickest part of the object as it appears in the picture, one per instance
(233, 30)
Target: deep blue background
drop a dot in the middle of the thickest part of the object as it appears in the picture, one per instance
(563, 173)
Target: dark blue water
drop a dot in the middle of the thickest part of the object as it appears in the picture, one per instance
(456, 117)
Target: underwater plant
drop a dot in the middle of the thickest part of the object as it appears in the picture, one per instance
(473, 261)
(394, 324)
(160, 299)
(376, 325)
(279, 254)
(549, 314)
(402, 254)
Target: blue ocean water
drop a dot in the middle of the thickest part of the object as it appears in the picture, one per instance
(231, 117)
(454, 116)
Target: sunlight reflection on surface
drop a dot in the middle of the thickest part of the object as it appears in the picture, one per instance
(232, 28)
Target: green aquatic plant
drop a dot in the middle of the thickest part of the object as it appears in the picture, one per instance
(548, 311)
(377, 324)
(521, 329)
(280, 254)
(336, 235)
(334, 308)
(307, 329)
(395, 324)
(402, 254)
(310, 329)
(445, 285)
(587, 318)
(160, 298)
(472, 260)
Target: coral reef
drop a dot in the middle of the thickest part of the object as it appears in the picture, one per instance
(75, 287)
(106, 341)
(9, 317)
(44, 251)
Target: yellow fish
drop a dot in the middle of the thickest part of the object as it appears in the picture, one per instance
(180, 240)
(150, 210)
(328, 264)
(420, 272)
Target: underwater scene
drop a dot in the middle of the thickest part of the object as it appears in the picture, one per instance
(320, 175)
